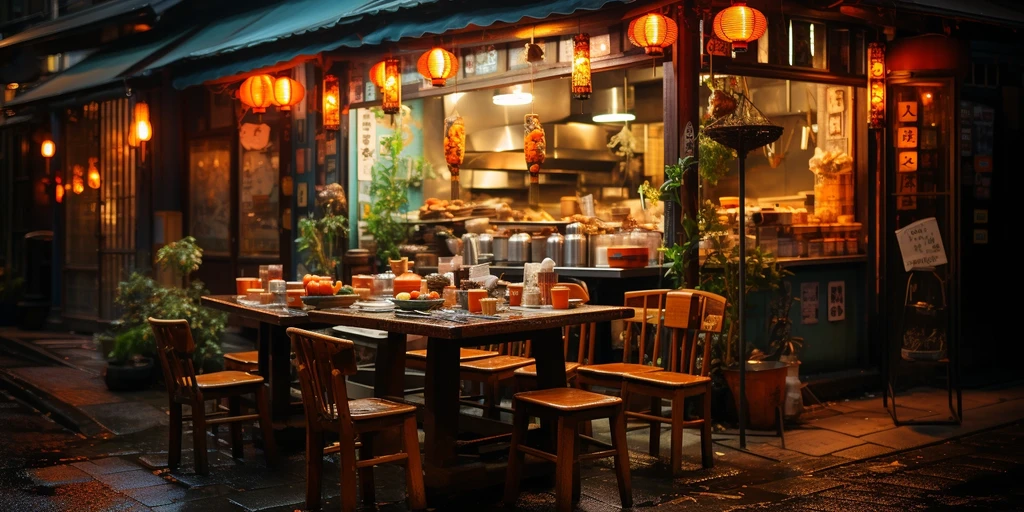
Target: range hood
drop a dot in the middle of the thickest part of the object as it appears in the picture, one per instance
(570, 147)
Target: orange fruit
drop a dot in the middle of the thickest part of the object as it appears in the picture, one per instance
(433, 295)
(415, 294)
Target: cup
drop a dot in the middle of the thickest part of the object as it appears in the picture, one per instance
(559, 297)
(294, 298)
(531, 297)
(264, 274)
(515, 294)
(275, 272)
(474, 296)
(242, 284)
(545, 280)
(451, 298)
(489, 306)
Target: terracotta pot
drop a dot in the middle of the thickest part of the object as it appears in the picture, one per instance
(408, 281)
(400, 266)
(765, 390)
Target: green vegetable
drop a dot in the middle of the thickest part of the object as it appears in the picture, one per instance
(346, 290)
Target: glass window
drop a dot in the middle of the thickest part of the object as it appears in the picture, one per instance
(807, 44)
(258, 192)
(210, 194)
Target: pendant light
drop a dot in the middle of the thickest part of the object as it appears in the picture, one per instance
(391, 91)
(739, 25)
(257, 92)
(332, 103)
(438, 65)
(287, 92)
(581, 83)
(616, 113)
(653, 32)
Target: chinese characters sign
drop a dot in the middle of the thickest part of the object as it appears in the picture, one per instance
(921, 244)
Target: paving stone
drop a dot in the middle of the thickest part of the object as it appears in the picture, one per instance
(800, 486)
(54, 476)
(818, 442)
(957, 472)
(827, 504)
(123, 418)
(214, 504)
(69, 385)
(279, 496)
(917, 481)
(106, 465)
(131, 480)
(154, 496)
(907, 437)
(95, 495)
(855, 424)
(871, 499)
(864, 451)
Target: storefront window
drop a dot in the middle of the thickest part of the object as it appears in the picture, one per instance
(258, 204)
(807, 44)
(210, 194)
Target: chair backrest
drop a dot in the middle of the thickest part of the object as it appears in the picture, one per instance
(649, 316)
(175, 346)
(688, 315)
(323, 363)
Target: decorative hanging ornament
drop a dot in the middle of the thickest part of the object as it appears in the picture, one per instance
(377, 74)
(58, 191)
(257, 92)
(653, 32)
(77, 185)
(332, 103)
(141, 129)
(739, 25)
(581, 80)
(454, 148)
(391, 91)
(47, 148)
(438, 65)
(287, 92)
(93, 178)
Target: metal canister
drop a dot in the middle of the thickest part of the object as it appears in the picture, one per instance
(519, 248)
(538, 248)
(485, 242)
(575, 246)
(470, 251)
(499, 247)
(555, 248)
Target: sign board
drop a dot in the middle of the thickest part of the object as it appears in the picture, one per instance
(809, 303)
(921, 245)
(836, 301)
(366, 135)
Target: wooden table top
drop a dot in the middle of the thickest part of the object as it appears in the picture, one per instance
(280, 315)
(511, 322)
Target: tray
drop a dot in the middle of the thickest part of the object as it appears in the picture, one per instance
(329, 301)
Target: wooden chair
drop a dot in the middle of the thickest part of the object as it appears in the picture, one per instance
(324, 361)
(567, 407)
(686, 311)
(174, 348)
(248, 361)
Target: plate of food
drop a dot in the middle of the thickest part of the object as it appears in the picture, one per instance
(418, 304)
(329, 301)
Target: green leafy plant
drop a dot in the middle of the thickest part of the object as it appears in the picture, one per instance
(715, 159)
(183, 257)
(320, 238)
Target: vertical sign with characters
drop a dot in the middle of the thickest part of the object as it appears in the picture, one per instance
(836, 301)
(366, 135)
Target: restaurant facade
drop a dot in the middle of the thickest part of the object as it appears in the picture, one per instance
(824, 200)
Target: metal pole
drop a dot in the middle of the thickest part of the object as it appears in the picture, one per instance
(741, 294)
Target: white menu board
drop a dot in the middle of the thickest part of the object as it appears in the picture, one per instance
(921, 244)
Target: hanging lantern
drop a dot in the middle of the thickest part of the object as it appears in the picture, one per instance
(438, 65)
(653, 32)
(141, 129)
(332, 103)
(377, 74)
(47, 148)
(876, 85)
(77, 185)
(58, 190)
(391, 91)
(739, 25)
(287, 92)
(93, 177)
(257, 92)
(581, 83)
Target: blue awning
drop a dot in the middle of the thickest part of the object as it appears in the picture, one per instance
(413, 25)
(86, 17)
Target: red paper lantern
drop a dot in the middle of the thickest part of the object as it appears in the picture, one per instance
(739, 25)
(438, 65)
(377, 74)
(391, 91)
(257, 92)
(287, 92)
(876, 85)
(581, 85)
(653, 32)
(332, 103)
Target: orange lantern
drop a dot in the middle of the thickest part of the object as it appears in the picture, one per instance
(93, 177)
(287, 92)
(141, 129)
(377, 74)
(581, 85)
(257, 92)
(77, 185)
(876, 85)
(332, 103)
(438, 65)
(391, 91)
(654, 32)
(58, 192)
(47, 148)
(739, 25)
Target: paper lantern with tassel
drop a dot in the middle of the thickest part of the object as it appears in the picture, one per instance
(257, 92)
(653, 32)
(377, 74)
(739, 25)
(438, 65)
(287, 92)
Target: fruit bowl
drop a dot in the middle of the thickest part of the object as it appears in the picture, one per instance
(329, 301)
(418, 304)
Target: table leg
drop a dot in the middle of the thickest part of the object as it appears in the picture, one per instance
(547, 351)
(280, 373)
(441, 394)
(389, 381)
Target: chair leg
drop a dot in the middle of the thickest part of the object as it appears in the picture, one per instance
(654, 442)
(567, 440)
(266, 426)
(417, 493)
(199, 437)
(347, 455)
(174, 448)
(314, 467)
(618, 421)
(707, 455)
(235, 409)
(366, 489)
(520, 423)
(676, 457)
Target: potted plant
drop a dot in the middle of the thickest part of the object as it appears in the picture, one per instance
(784, 347)
(321, 239)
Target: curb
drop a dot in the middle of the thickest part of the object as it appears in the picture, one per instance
(65, 415)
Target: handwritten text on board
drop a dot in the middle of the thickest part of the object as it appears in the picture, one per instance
(921, 244)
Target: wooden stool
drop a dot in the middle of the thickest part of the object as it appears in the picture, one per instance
(242, 361)
(570, 407)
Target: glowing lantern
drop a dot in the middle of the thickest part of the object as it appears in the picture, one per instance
(438, 65)
(58, 191)
(377, 74)
(581, 84)
(141, 129)
(257, 92)
(332, 103)
(93, 178)
(876, 85)
(654, 32)
(739, 25)
(77, 185)
(287, 92)
(47, 148)
(391, 91)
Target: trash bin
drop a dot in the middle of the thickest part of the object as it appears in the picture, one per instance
(35, 302)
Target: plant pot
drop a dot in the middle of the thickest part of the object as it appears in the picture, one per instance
(765, 390)
(922, 355)
(129, 376)
(105, 343)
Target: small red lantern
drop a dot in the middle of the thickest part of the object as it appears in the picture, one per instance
(654, 32)
(876, 85)
(257, 92)
(739, 25)
(438, 65)
(332, 103)
(377, 74)
(391, 91)
(58, 191)
(287, 92)
(581, 83)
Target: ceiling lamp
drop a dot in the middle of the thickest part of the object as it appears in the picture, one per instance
(511, 96)
(581, 84)
(391, 91)
(287, 92)
(653, 32)
(739, 25)
(257, 92)
(614, 101)
(47, 148)
(377, 74)
(438, 65)
(332, 103)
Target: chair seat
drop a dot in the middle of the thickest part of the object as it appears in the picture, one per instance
(616, 370)
(465, 354)
(668, 379)
(372, 408)
(531, 371)
(225, 379)
(248, 358)
(496, 364)
(568, 399)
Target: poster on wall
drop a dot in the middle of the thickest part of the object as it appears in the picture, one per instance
(366, 137)
(809, 303)
(921, 245)
(836, 301)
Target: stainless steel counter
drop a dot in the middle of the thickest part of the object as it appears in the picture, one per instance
(580, 272)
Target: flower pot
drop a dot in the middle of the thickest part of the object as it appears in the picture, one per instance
(129, 376)
(765, 390)
(922, 355)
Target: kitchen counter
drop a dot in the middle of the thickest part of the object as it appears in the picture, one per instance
(579, 272)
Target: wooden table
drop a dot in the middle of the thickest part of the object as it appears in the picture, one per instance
(444, 338)
(275, 348)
